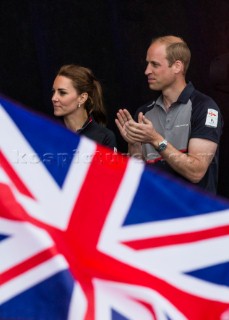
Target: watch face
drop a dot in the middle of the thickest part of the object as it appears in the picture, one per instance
(162, 145)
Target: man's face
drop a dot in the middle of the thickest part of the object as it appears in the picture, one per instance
(160, 75)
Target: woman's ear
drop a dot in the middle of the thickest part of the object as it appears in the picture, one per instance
(83, 97)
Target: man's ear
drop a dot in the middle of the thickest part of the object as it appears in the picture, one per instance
(178, 66)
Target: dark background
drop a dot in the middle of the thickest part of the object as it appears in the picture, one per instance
(111, 37)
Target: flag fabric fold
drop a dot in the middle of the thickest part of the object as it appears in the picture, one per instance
(89, 234)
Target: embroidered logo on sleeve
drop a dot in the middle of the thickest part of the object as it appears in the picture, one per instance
(212, 118)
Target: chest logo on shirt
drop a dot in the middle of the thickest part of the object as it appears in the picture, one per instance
(212, 118)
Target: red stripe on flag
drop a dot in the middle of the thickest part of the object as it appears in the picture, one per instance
(28, 264)
(96, 197)
(182, 238)
(14, 177)
(89, 214)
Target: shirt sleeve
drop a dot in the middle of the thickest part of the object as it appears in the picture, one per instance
(206, 120)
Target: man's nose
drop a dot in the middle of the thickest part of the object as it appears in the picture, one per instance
(147, 70)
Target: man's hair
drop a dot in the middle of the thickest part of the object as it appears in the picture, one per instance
(176, 49)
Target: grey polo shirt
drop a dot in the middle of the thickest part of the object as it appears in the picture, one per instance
(193, 115)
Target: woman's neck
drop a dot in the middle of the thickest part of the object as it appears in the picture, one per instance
(75, 122)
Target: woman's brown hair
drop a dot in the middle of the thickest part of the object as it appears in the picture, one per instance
(84, 80)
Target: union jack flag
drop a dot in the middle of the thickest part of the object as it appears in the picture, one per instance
(92, 235)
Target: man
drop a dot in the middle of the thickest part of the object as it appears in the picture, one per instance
(181, 130)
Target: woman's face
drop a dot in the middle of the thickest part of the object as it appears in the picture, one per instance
(65, 98)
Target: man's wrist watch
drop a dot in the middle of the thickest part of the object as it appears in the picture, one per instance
(162, 146)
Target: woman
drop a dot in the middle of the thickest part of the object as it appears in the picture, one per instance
(77, 97)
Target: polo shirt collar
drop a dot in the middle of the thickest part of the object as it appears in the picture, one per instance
(186, 93)
(183, 97)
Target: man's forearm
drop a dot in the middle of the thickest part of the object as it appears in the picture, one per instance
(191, 166)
